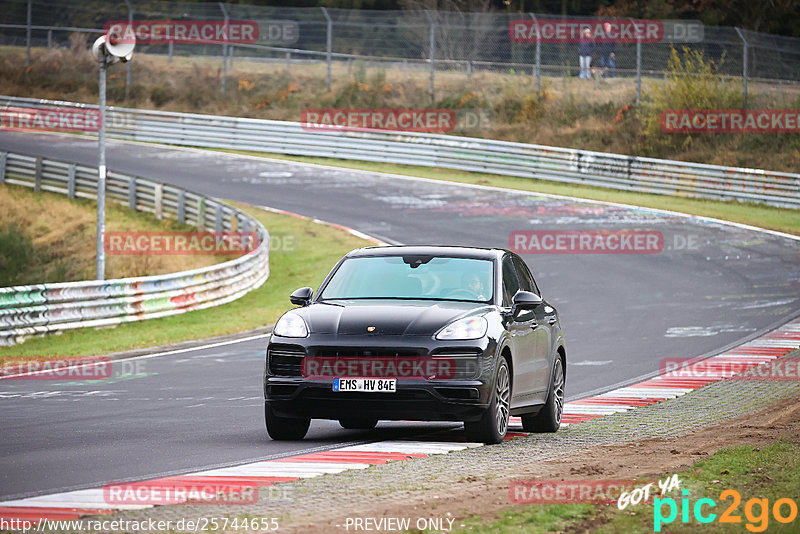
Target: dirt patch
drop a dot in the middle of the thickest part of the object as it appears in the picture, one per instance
(648, 459)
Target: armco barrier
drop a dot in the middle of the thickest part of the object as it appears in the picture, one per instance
(444, 151)
(43, 308)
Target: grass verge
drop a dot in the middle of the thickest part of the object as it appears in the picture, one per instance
(46, 237)
(316, 248)
(760, 476)
(780, 219)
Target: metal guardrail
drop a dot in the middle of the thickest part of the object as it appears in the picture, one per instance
(602, 169)
(42, 308)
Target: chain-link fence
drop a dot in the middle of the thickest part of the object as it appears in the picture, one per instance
(429, 41)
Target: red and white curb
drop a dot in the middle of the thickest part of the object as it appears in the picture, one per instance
(76, 504)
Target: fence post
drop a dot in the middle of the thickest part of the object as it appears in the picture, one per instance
(49, 38)
(638, 67)
(28, 34)
(37, 180)
(132, 193)
(3, 160)
(224, 49)
(181, 207)
(538, 58)
(432, 53)
(130, 63)
(329, 47)
(71, 181)
(158, 201)
(218, 218)
(201, 213)
(169, 48)
(744, 66)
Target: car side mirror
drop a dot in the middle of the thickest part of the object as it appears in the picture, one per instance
(302, 296)
(525, 300)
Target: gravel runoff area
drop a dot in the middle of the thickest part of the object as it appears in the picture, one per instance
(304, 504)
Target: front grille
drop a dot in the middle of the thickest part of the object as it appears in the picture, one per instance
(285, 360)
(368, 352)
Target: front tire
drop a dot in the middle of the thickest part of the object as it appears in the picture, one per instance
(549, 417)
(285, 428)
(493, 424)
(358, 423)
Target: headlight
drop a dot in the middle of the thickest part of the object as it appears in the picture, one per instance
(290, 325)
(466, 328)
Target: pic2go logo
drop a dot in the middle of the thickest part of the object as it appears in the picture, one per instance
(756, 511)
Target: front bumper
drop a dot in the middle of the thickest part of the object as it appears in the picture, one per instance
(461, 399)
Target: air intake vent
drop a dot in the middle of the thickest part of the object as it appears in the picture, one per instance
(285, 360)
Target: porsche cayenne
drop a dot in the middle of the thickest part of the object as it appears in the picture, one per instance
(428, 333)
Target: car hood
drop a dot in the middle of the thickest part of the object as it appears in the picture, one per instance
(389, 317)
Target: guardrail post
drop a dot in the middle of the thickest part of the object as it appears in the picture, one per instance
(217, 218)
(181, 207)
(201, 213)
(329, 47)
(3, 161)
(158, 201)
(71, 180)
(37, 184)
(132, 193)
(744, 66)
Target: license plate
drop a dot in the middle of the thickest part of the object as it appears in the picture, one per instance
(375, 385)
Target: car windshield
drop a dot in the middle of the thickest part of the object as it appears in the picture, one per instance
(412, 277)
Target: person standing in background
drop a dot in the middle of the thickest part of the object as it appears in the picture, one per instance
(585, 50)
(607, 51)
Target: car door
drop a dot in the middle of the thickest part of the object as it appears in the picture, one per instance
(541, 335)
(521, 329)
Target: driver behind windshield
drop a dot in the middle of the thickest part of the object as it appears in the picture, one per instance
(472, 283)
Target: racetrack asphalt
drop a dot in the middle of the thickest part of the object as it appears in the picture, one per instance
(712, 286)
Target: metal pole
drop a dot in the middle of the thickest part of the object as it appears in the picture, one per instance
(744, 66)
(538, 59)
(130, 65)
(432, 54)
(329, 47)
(224, 49)
(100, 271)
(638, 68)
(28, 34)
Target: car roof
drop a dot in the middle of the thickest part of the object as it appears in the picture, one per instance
(428, 250)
